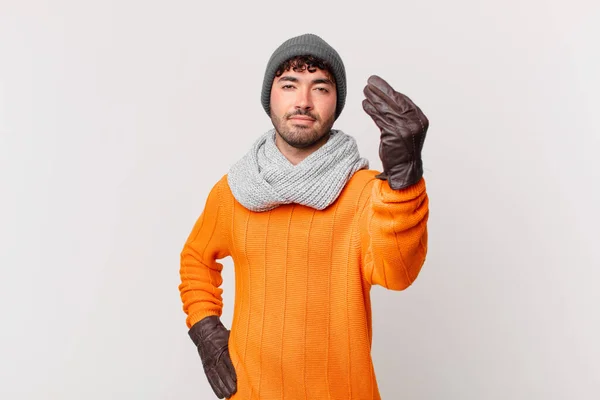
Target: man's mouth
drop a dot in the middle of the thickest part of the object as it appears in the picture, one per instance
(302, 117)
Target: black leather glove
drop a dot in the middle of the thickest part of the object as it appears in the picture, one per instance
(212, 340)
(403, 129)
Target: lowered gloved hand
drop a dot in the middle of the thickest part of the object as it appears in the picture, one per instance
(212, 340)
(403, 129)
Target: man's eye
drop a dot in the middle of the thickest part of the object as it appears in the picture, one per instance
(322, 89)
(287, 86)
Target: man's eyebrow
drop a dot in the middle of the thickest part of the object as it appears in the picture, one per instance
(322, 80)
(314, 82)
(288, 78)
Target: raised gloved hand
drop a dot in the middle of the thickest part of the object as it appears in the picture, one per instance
(403, 129)
(212, 340)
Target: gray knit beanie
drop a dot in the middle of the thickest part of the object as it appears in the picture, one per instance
(307, 44)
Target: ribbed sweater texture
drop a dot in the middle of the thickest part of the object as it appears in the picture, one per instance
(301, 325)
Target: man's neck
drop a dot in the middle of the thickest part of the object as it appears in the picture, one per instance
(296, 155)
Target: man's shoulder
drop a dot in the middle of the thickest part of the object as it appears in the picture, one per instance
(222, 184)
(363, 177)
(220, 188)
(359, 184)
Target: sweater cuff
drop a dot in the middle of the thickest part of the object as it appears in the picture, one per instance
(200, 315)
(383, 191)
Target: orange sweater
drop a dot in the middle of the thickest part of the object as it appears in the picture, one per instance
(301, 325)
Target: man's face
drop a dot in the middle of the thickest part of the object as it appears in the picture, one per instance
(303, 106)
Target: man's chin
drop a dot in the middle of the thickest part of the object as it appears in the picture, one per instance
(300, 140)
(298, 144)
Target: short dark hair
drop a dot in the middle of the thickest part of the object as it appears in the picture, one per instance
(308, 63)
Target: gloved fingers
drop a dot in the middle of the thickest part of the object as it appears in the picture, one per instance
(377, 117)
(229, 384)
(215, 382)
(394, 131)
(396, 102)
(381, 84)
(384, 90)
(229, 365)
(370, 109)
(409, 116)
(412, 112)
(380, 101)
(412, 132)
(379, 90)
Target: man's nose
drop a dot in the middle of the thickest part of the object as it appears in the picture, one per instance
(304, 99)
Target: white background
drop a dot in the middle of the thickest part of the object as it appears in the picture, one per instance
(117, 117)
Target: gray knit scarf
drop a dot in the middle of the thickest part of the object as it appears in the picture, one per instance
(264, 179)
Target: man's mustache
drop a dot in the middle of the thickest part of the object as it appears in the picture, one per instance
(301, 112)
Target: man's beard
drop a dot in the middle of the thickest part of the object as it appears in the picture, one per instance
(299, 136)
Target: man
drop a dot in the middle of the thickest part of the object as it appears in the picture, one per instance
(310, 229)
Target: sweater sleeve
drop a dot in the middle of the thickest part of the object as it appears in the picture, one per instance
(199, 270)
(393, 234)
